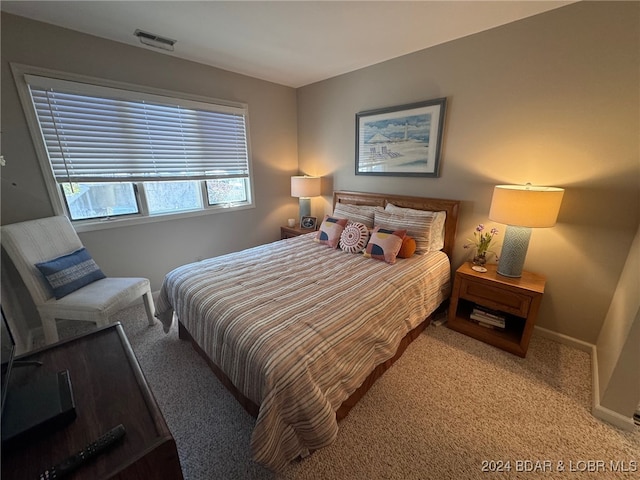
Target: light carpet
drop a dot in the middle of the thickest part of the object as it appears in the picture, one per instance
(449, 407)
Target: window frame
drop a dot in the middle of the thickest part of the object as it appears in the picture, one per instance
(54, 191)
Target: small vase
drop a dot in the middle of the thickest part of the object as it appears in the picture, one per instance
(480, 259)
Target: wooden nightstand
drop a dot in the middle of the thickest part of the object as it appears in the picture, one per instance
(518, 299)
(289, 232)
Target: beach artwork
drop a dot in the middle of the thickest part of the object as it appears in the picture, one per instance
(400, 141)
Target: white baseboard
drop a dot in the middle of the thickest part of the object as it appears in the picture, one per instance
(597, 410)
(603, 413)
(564, 339)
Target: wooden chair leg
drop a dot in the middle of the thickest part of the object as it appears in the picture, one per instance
(49, 328)
(103, 322)
(149, 307)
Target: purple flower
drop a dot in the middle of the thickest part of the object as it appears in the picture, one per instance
(482, 240)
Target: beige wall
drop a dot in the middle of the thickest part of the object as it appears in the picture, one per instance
(618, 347)
(551, 100)
(150, 250)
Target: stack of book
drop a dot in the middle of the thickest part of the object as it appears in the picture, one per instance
(488, 318)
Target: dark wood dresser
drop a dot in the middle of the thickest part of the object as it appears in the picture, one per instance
(109, 389)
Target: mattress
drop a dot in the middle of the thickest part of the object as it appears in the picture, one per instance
(297, 327)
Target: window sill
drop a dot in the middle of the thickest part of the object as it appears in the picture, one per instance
(103, 224)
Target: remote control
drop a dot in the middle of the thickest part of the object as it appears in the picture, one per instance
(90, 451)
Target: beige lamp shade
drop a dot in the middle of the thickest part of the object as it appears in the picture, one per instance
(526, 205)
(304, 186)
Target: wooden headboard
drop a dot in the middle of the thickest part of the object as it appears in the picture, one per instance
(418, 203)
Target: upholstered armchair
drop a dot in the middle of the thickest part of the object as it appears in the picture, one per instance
(62, 278)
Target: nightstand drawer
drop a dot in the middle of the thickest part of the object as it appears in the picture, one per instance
(290, 232)
(495, 298)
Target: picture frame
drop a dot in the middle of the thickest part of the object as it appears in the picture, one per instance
(308, 223)
(404, 141)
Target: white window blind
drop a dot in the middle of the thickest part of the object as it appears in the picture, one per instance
(102, 134)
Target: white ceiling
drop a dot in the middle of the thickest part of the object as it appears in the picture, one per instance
(292, 43)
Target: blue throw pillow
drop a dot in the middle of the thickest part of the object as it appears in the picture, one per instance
(70, 272)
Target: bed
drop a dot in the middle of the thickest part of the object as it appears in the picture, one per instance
(298, 331)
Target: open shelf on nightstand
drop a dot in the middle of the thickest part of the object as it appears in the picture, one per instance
(514, 326)
(516, 299)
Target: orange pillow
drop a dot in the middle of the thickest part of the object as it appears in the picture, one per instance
(408, 247)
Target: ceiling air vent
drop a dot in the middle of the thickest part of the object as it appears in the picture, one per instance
(154, 40)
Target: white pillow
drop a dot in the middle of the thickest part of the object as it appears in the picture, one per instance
(426, 227)
(356, 213)
(354, 237)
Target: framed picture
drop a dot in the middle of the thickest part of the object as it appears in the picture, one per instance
(308, 223)
(401, 141)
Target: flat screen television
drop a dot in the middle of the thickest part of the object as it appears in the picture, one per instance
(8, 350)
(39, 403)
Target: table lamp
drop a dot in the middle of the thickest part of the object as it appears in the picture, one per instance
(521, 208)
(305, 187)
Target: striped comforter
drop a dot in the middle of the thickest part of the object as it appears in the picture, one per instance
(298, 326)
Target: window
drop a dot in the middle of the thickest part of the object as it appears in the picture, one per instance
(117, 153)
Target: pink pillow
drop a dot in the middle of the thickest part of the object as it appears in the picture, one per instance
(385, 244)
(330, 231)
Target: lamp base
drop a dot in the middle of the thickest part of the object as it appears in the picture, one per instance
(305, 207)
(514, 251)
